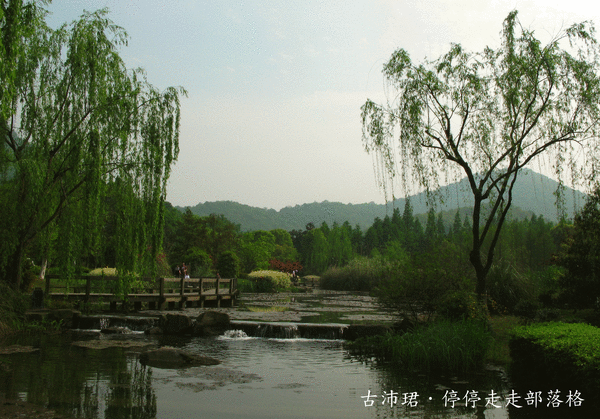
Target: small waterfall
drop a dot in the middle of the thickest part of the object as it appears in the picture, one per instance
(280, 331)
(235, 334)
(104, 323)
(291, 330)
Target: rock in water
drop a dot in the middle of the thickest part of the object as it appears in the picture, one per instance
(211, 323)
(167, 357)
(177, 324)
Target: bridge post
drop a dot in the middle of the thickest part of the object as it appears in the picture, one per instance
(217, 291)
(182, 293)
(88, 288)
(161, 290)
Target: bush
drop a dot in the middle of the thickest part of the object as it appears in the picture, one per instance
(461, 305)
(442, 346)
(270, 281)
(526, 308)
(507, 286)
(415, 291)
(13, 305)
(566, 353)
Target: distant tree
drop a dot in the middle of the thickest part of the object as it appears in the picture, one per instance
(318, 250)
(213, 234)
(340, 246)
(284, 247)
(228, 264)
(487, 116)
(257, 248)
(581, 256)
(73, 119)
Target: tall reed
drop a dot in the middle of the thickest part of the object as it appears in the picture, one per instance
(360, 274)
(442, 346)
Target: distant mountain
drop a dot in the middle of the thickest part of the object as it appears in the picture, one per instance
(533, 194)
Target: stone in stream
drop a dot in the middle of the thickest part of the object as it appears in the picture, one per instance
(211, 323)
(167, 357)
(177, 324)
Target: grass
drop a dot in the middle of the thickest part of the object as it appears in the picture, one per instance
(441, 346)
(502, 328)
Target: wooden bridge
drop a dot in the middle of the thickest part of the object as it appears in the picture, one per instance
(161, 293)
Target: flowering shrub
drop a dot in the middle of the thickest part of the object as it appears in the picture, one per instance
(267, 280)
(287, 266)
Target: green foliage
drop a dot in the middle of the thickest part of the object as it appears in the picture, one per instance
(86, 145)
(442, 346)
(270, 281)
(189, 239)
(198, 262)
(13, 305)
(581, 256)
(563, 351)
(361, 274)
(417, 287)
(486, 116)
(228, 265)
(256, 250)
(461, 305)
(507, 286)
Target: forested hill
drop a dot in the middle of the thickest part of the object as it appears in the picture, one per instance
(533, 193)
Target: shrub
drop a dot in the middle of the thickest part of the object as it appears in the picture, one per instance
(442, 346)
(558, 352)
(269, 281)
(526, 308)
(13, 305)
(507, 286)
(461, 305)
(414, 291)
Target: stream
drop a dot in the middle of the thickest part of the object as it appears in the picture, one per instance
(259, 377)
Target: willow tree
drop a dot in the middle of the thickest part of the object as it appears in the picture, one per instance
(486, 116)
(74, 124)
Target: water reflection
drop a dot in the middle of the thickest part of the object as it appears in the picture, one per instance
(85, 383)
(258, 378)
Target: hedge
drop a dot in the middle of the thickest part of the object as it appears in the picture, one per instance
(561, 355)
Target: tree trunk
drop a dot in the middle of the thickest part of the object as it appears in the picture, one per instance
(15, 267)
(481, 274)
(43, 271)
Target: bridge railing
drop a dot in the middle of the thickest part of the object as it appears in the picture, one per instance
(160, 291)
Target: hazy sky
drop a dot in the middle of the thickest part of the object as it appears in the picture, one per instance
(275, 87)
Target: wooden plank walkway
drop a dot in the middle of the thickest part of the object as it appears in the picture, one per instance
(161, 293)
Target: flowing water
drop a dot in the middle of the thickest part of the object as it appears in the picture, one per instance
(279, 373)
(258, 378)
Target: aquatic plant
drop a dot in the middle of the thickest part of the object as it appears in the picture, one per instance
(441, 346)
